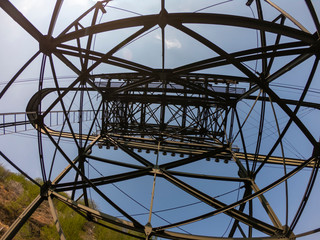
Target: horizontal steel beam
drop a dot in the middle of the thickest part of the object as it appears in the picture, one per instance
(129, 142)
(95, 214)
(189, 18)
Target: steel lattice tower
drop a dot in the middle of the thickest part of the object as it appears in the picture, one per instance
(173, 131)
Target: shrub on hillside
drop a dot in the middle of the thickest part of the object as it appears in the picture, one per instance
(4, 173)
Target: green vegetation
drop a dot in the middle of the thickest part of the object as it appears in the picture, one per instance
(29, 192)
(4, 173)
(41, 226)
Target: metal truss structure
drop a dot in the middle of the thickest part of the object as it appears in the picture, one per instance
(175, 125)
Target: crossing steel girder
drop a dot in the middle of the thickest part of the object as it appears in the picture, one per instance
(185, 114)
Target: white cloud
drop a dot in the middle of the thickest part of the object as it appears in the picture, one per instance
(126, 53)
(170, 42)
(173, 43)
(26, 6)
(81, 2)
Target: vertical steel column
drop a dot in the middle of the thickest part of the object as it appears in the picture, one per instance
(55, 219)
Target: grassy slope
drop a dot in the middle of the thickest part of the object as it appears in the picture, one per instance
(16, 193)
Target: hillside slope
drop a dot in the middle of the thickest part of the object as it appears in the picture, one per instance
(16, 193)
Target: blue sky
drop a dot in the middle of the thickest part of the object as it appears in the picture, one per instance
(17, 47)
